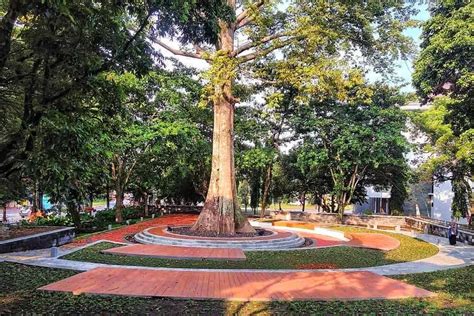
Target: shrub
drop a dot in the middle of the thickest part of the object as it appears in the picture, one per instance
(368, 212)
(54, 221)
(105, 216)
(132, 213)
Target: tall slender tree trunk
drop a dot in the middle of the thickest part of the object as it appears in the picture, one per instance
(303, 200)
(266, 189)
(4, 217)
(108, 197)
(221, 212)
(118, 205)
(91, 199)
(145, 197)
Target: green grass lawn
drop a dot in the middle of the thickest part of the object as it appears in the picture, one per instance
(99, 202)
(18, 295)
(335, 257)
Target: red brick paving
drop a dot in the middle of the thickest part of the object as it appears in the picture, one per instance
(237, 285)
(119, 234)
(174, 252)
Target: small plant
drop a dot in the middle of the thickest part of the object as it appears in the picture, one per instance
(368, 212)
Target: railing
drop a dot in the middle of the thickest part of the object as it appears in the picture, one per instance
(440, 228)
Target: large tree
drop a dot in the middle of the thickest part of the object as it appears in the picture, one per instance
(320, 27)
(354, 142)
(445, 66)
(451, 156)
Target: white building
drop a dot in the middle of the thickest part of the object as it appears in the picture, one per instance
(431, 199)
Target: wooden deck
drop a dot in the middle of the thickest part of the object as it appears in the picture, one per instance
(175, 252)
(237, 285)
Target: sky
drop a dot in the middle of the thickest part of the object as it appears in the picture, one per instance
(404, 68)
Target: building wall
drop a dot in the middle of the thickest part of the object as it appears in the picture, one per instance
(419, 198)
(374, 201)
(442, 200)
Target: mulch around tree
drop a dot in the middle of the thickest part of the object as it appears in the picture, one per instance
(186, 230)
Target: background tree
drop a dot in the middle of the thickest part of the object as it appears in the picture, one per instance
(445, 64)
(445, 67)
(353, 142)
(451, 156)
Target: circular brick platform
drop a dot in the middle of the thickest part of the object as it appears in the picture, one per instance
(278, 240)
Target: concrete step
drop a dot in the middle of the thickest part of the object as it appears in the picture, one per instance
(206, 241)
(289, 242)
(170, 240)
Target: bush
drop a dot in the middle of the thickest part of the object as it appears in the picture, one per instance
(53, 220)
(132, 213)
(105, 216)
(368, 212)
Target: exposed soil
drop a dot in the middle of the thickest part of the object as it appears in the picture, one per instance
(188, 232)
(131, 238)
(15, 232)
(307, 242)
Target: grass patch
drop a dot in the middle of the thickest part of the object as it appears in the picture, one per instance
(18, 295)
(338, 257)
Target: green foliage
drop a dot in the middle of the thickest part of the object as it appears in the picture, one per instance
(445, 63)
(105, 216)
(355, 144)
(54, 221)
(451, 154)
(445, 67)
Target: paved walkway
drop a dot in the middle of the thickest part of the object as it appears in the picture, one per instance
(231, 285)
(174, 252)
(118, 235)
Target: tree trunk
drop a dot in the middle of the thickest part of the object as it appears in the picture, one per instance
(107, 198)
(221, 212)
(40, 200)
(118, 205)
(4, 217)
(266, 189)
(91, 199)
(279, 205)
(303, 200)
(146, 203)
(35, 207)
(15, 9)
(73, 210)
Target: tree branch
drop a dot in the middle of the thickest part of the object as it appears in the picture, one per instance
(244, 17)
(253, 44)
(178, 52)
(266, 51)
